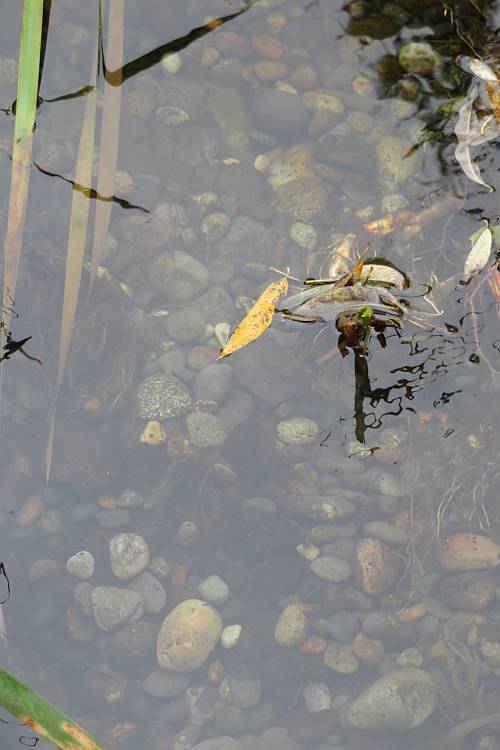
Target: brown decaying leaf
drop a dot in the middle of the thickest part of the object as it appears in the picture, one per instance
(390, 223)
(410, 222)
(257, 319)
(77, 238)
(110, 131)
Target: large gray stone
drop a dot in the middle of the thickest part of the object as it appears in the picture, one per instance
(113, 606)
(400, 700)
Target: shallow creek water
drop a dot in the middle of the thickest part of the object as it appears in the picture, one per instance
(336, 545)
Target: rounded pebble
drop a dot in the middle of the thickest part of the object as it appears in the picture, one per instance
(214, 590)
(185, 325)
(419, 58)
(230, 636)
(386, 532)
(297, 431)
(400, 700)
(129, 555)
(215, 225)
(292, 626)
(130, 499)
(304, 235)
(171, 63)
(317, 697)
(162, 396)
(244, 693)
(113, 606)
(188, 635)
(212, 382)
(166, 685)
(219, 743)
(81, 565)
(151, 590)
(187, 534)
(332, 569)
(341, 659)
(205, 430)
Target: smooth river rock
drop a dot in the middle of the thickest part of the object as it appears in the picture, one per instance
(113, 606)
(399, 700)
(188, 635)
(129, 555)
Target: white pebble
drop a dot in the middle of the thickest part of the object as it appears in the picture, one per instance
(81, 565)
(230, 636)
(171, 63)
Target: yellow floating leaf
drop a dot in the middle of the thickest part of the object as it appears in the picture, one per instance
(257, 319)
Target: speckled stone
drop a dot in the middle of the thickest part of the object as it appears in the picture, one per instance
(161, 396)
(113, 606)
(400, 700)
(205, 430)
(81, 565)
(317, 697)
(129, 555)
(297, 431)
(292, 626)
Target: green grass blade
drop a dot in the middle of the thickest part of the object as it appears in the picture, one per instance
(46, 720)
(27, 93)
(29, 68)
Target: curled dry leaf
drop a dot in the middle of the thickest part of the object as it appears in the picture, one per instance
(477, 68)
(466, 123)
(258, 318)
(479, 253)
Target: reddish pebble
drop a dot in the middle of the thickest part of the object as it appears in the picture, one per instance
(410, 614)
(313, 644)
(268, 46)
(30, 511)
(92, 405)
(230, 43)
(304, 76)
(106, 502)
(42, 569)
(270, 70)
(216, 672)
(22, 464)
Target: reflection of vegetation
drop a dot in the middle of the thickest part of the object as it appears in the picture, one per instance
(42, 717)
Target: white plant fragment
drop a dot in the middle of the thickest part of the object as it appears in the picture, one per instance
(479, 254)
(478, 68)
